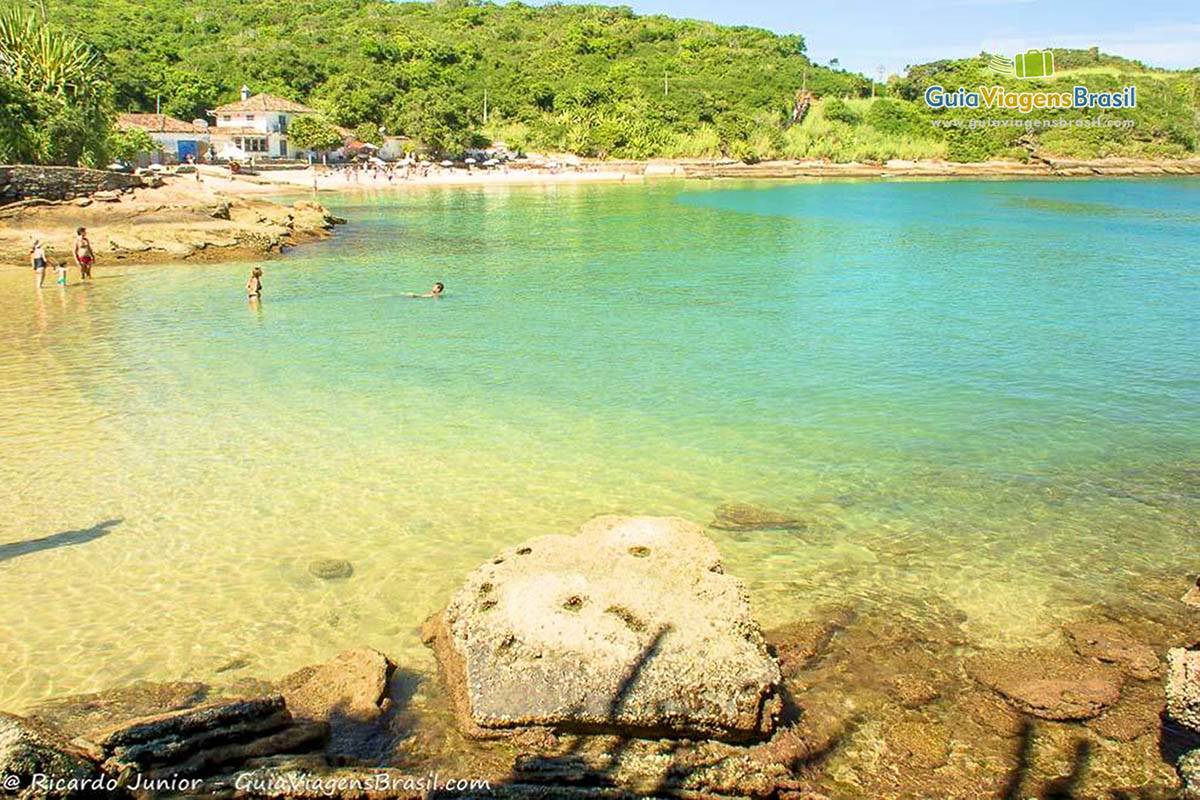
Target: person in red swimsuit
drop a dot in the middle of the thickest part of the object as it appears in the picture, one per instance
(84, 256)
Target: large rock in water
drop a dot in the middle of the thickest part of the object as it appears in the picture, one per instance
(631, 626)
(1183, 687)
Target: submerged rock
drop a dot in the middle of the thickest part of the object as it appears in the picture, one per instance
(31, 751)
(1048, 685)
(745, 517)
(1138, 713)
(925, 745)
(1112, 644)
(912, 691)
(87, 715)
(330, 568)
(629, 627)
(1183, 687)
(797, 644)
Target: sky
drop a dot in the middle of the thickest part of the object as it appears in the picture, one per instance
(865, 36)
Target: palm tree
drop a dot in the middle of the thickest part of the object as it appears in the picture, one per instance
(61, 111)
(47, 60)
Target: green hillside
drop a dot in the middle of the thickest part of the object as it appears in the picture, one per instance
(594, 80)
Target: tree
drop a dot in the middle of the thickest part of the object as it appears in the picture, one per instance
(368, 132)
(314, 132)
(128, 143)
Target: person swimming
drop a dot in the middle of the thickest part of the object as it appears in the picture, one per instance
(436, 291)
(254, 286)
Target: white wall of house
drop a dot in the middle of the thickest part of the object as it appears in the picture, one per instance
(260, 133)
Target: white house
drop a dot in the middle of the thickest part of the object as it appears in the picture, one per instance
(176, 139)
(257, 126)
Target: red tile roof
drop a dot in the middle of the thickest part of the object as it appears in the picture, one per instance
(155, 123)
(264, 102)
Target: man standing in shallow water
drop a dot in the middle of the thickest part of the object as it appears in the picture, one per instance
(84, 256)
(436, 291)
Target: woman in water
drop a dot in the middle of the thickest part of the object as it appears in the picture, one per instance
(436, 291)
(254, 285)
(37, 256)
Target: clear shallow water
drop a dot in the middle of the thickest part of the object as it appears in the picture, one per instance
(985, 394)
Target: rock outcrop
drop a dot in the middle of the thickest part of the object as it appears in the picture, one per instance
(349, 693)
(196, 740)
(631, 627)
(181, 220)
(36, 761)
(1047, 684)
(1183, 687)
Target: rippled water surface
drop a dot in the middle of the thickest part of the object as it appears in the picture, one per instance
(980, 394)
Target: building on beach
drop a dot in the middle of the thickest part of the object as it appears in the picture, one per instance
(256, 126)
(175, 138)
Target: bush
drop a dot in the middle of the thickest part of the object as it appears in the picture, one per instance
(838, 111)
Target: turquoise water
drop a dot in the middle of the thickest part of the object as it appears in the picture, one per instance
(980, 394)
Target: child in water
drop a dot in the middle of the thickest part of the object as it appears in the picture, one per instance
(254, 285)
(436, 291)
(62, 273)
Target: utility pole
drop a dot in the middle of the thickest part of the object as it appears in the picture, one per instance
(485, 105)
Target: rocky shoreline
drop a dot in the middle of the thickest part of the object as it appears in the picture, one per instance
(176, 219)
(624, 662)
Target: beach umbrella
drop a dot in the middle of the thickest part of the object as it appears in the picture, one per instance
(491, 162)
(231, 151)
(470, 161)
(447, 163)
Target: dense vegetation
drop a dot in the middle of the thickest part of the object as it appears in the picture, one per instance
(594, 80)
(590, 79)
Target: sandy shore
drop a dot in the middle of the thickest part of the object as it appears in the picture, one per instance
(323, 179)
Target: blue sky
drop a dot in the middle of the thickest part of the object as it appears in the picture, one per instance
(865, 35)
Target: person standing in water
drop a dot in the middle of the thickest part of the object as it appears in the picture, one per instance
(62, 273)
(436, 291)
(37, 256)
(254, 286)
(84, 256)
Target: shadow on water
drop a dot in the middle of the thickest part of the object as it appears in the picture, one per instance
(63, 539)
(1064, 787)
